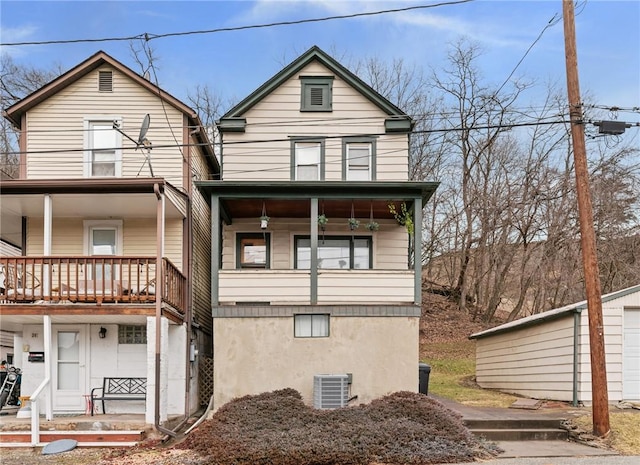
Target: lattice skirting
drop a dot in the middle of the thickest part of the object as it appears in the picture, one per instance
(205, 379)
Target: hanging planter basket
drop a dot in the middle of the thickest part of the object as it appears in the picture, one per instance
(264, 219)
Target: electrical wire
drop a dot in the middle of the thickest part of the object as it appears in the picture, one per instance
(147, 37)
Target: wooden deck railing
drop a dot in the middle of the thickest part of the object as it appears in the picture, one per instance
(87, 279)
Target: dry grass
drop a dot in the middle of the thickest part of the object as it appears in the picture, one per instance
(625, 430)
(453, 369)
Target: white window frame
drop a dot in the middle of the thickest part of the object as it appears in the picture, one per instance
(90, 225)
(303, 319)
(107, 120)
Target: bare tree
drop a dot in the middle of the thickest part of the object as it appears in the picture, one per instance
(16, 82)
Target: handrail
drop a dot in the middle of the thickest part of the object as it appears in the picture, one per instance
(35, 413)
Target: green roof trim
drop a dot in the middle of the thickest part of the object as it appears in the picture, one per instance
(314, 54)
(232, 124)
(398, 124)
(324, 189)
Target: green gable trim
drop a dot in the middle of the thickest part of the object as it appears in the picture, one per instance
(232, 124)
(398, 124)
(314, 54)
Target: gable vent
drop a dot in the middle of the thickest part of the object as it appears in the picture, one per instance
(105, 81)
(316, 94)
(330, 391)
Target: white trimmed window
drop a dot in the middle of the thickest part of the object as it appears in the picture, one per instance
(103, 144)
(314, 325)
(102, 238)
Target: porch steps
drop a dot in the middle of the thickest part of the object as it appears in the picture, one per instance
(518, 429)
(115, 438)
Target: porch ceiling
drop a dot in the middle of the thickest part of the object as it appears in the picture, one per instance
(14, 323)
(243, 199)
(79, 205)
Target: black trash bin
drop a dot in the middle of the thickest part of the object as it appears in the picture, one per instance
(424, 371)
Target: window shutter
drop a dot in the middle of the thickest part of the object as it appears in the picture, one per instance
(105, 81)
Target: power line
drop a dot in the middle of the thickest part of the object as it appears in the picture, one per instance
(287, 139)
(147, 37)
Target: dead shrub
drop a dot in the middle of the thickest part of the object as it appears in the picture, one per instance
(277, 428)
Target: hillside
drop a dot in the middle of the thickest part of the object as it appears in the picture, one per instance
(442, 321)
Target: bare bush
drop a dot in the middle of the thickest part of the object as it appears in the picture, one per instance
(277, 428)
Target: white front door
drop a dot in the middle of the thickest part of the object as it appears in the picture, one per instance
(631, 355)
(69, 371)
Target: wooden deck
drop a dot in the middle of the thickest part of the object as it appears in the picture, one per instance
(91, 280)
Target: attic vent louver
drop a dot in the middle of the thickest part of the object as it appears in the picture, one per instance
(316, 96)
(330, 391)
(105, 81)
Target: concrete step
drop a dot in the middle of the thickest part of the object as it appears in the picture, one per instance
(115, 438)
(534, 423)
(521, 429)
(522, 434)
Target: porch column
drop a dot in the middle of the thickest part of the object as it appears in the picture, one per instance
(47, 228)
(215, 251)
(156, 405)
(160, 290)
(48, 357)
(417, 250)
(314, 252)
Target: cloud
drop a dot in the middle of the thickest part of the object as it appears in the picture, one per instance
(482, 31)
(16, 34)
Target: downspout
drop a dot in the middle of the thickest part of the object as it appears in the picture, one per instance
(576, 346)
(159, 294)
(189, 272)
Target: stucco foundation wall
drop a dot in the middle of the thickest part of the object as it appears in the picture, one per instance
(254, 355)
(534, 362)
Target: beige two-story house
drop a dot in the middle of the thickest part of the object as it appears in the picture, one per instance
(113, 276)
(316, 239)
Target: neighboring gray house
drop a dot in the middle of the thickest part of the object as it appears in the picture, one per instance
(546, 356)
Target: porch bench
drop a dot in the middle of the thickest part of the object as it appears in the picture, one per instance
(119, 389)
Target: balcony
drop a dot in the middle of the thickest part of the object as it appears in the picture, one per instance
(91, 279)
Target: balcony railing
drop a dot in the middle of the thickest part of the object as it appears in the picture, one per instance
(293, 287)
(93, 279)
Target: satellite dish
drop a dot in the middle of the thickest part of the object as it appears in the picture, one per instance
(144, 128)
(142, 141)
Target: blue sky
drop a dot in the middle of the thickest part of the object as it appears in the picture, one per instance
(234, 63)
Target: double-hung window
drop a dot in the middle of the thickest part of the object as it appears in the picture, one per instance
(358, 159)
(103, 149)
(307, 160)
(335, 253)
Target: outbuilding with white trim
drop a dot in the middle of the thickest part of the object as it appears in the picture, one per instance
(546, 356)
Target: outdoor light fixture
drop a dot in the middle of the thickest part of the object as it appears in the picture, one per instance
(103, 332)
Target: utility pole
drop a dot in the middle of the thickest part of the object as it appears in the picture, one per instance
(600, 396)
